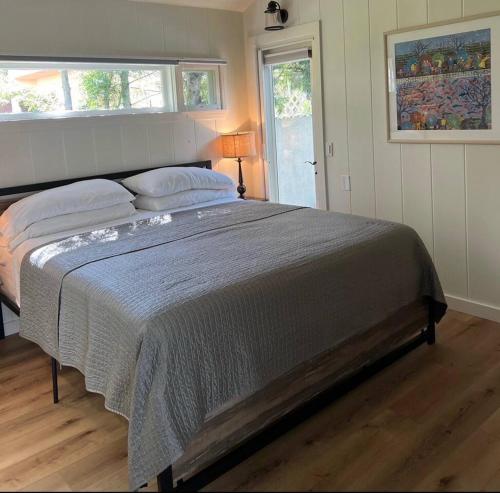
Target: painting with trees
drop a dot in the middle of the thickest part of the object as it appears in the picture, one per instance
(444, 82)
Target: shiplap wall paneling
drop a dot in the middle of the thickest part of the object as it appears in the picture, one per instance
(255, 176)
(79, 150)
(450, 235)
(359, 104)
(416, 158)
(309, 11)
(387, 157)
(135, 146)
(206, 140)
(184, 142)
(161, 143)
(442, 10)
(16, 152)
(417, 191)
(483, 206)
(412, 12)
(48, 155)
(448, 192)
(335, 102)
(108, 144)
(475, 7)
(150, 22)
(56, 149)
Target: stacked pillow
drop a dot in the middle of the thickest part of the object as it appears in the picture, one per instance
(81, 204)
(172, 188)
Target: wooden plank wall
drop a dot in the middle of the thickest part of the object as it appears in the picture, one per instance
(33, 151)
(448, 193)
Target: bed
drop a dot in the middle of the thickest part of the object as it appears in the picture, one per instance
(192, 323)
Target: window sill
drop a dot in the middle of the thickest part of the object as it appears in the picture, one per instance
(115, 118)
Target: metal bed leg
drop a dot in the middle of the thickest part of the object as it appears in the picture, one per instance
(431, 334)
(55, 388)
(166, 480)
(2, 329)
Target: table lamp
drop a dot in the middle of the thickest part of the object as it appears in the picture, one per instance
(239, 145)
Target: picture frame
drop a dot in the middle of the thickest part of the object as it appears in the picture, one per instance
(443, 82)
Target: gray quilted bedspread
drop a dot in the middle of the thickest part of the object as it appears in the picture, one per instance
(173, 317)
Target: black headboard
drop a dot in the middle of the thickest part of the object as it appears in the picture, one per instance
(38, 187)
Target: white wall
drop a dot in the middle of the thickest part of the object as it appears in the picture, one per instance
(448, 193)
(48, 150)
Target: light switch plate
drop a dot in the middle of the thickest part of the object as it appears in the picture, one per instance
(346, 183)
(330, 149)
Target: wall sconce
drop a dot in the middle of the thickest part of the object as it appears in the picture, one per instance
(276, 17)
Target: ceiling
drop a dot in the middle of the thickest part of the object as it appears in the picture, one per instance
(237, 5)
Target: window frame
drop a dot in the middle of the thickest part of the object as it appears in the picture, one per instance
(199, 67)
(172, 94)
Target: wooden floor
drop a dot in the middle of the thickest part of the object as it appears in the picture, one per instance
(429, 422)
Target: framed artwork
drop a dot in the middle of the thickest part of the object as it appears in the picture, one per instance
(443, 82)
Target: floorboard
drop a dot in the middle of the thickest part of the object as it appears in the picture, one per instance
(429, 422)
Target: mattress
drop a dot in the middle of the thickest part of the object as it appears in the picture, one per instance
(10, 262)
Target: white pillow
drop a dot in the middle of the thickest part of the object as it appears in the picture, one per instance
(181, 199)
(81, 196)
(167, 181)
(73, 221)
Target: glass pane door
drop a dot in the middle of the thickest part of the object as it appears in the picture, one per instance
(291, 145)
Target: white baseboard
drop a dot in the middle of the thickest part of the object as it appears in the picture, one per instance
(475, 308)
(11, 328)
(11, 321)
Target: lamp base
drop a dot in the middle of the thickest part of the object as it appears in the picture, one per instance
(242, 189)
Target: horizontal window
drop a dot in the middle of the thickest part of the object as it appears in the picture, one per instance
(30, 90)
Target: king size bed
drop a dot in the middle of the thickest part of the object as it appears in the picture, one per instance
(206, 326)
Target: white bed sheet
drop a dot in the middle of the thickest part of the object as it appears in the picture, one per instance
(10, 262)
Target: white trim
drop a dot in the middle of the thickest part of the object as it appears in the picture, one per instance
(11, 328)
(310, 32)
(179, 86)
(58, 115)
(268, 129)
(104, 63)
(171, 82)
(107, 119)
(475, 308)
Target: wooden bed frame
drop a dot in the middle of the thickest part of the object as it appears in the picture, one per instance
(241, 429)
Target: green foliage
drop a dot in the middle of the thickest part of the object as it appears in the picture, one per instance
(6, 94)
(292, 81)
(37, 103)
(102, 89)
(28, 100)
(110, 89)
(196, 88)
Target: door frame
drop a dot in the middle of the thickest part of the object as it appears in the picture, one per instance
(311, 33)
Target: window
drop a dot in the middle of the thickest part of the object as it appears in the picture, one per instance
(198, 87)
(32, 89)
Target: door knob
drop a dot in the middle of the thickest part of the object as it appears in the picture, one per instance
(312, 163)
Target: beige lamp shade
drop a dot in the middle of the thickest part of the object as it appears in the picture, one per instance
(241, 144)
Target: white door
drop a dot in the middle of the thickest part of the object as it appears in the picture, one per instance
(295, 172)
